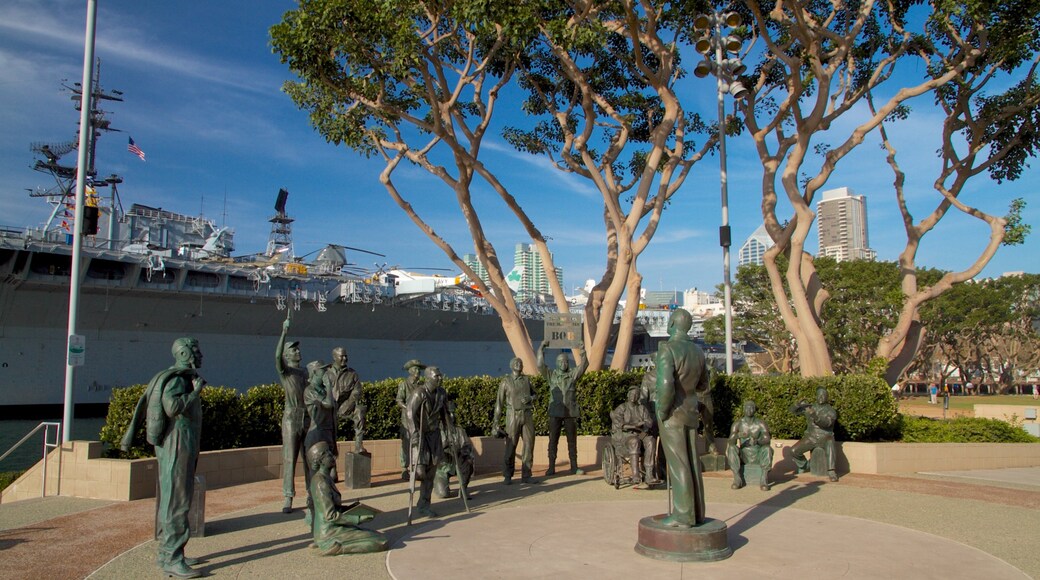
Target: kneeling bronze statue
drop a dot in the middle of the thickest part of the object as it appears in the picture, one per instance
(335, 526)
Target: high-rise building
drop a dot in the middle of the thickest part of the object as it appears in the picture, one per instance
(754, 248)
(527, 264)
(842, 225)
(472, 261)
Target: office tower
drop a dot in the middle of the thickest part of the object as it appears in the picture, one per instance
(472, 261)
(755, 247)
(841, 218)
(527, 264)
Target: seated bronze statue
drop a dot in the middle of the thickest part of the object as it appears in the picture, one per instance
(335, 526)
(631, 433)
(749, 445)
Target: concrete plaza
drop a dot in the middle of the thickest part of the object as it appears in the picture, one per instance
(973, 524)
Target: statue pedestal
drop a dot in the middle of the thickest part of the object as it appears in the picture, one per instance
(818, 462)
(704, 543)
(711, 462)
(357, 470)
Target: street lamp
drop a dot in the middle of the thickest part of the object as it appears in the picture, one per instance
(717, 43)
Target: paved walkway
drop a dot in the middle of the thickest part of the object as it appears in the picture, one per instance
(921, 526)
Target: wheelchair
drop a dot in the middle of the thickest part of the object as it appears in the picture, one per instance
(617, 465)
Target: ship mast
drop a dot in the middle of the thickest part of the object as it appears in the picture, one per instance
(280, 239)
(62, 194)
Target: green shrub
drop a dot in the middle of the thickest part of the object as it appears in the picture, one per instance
(866, 409)
(221, 418)
(120, 411)
(9, 477)
(961, 430)
(221, 421)
(262, 407)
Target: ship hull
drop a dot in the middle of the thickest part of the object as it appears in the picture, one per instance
(129, 332)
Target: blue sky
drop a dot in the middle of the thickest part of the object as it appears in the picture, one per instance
(203, 100)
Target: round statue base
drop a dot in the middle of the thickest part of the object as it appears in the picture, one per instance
(707, 542)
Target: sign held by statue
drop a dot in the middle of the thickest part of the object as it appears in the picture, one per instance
(563, 330)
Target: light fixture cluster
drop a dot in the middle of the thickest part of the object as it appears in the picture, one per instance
(720, 48)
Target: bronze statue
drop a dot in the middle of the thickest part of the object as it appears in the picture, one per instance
(414, 368)
(516, 400)
(819, 432)
(345, 385)
(682, 373)
(334, 526)
(459, 455)
(631, 425)
(427, 414)
(174, 426)
(294, 416)
(321, 408)
(563, 405)
(749, 445)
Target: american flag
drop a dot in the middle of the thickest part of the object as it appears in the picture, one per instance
(133, 148)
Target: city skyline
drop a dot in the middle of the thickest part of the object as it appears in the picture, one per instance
(203, 100)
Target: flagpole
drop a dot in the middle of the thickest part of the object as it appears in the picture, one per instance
(86, 132)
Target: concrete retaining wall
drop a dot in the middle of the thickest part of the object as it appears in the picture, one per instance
(84, 473)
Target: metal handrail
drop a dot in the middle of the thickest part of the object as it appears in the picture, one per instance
(46, 426)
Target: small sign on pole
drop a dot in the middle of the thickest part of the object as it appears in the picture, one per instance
(563, 330)
(77, 350)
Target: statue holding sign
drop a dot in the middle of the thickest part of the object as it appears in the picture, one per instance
(563, 405)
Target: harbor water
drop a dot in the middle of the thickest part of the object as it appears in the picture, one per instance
(31, 451)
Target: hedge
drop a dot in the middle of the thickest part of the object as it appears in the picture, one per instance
(866, 410)
(962, 430)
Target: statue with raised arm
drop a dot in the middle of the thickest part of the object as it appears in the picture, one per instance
(749, 445)
(563, 404)
(335, 526)
(407, 386)
(632, 431)
(819, 432)
(294, 417)
(427, 416)
(682, 373)
(515, 401)
(174, 427)
(345, 385)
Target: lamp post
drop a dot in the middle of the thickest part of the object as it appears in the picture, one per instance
(716, 45)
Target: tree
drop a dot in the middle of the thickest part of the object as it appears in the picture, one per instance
(983, 133)
(419, 81)
(757, 320)
(603, 77)
(824, 61)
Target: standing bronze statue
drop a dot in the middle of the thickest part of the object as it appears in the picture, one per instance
(405, 389)
(345, 385)
(321, 408)
(631, 425)
(563, 405)
(819, 432)
(749, 445)
(458, 459)
(682, 373)
(174, 427)
(334, 526)
(516, 401)
(294, 417)
(427, 415)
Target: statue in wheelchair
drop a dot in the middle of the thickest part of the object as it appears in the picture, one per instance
(632, 443)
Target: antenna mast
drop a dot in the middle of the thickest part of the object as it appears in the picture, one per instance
(281, 229)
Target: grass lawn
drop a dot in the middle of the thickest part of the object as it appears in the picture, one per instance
(918, 404)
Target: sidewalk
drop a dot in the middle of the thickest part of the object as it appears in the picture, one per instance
(572, 526)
